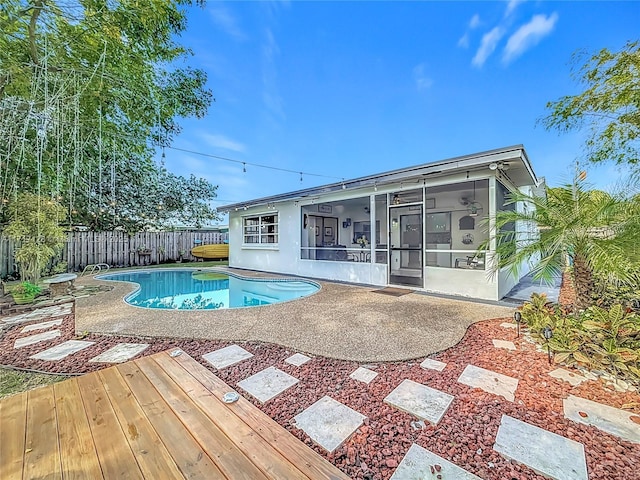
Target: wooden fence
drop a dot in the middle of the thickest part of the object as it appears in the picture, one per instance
(118, 249)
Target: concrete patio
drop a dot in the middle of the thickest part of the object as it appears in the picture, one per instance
(340, 321)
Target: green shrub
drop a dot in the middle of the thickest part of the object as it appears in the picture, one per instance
(608, 292)
(34, 225)
(605, 339)
(26, 288)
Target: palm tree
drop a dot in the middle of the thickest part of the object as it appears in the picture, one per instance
(594, 231)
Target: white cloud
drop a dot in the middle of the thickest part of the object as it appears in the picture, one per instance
(220, 141)
(464, 40)
(511, 6)
(529, 35)
(474, 22)
(487, 46)
(423, 82)
(227, 22)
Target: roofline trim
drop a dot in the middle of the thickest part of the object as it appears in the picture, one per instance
(426, 169)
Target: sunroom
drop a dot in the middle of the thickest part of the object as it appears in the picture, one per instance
(418, 227)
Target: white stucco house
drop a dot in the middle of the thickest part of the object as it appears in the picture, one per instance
(417, 227)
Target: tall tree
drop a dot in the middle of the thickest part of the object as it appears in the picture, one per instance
(595, 230)
(88, 90)
(609, 106)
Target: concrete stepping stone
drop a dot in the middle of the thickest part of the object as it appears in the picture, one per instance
(328, 422)
(268, 383)
(120, 353)
(508, 325)
(227, 356)
(546, 453)
(432, 364)
(37, 338)
(420, 464)
(504, 344)
(573, 378)
(297, 359)
(608, 419)
(42, 325)
(63, 350)
(419, 400)
(489, 381)
(363, 375)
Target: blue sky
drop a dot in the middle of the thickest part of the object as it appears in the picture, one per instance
(347, 89)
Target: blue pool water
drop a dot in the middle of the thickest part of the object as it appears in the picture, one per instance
(206, 290)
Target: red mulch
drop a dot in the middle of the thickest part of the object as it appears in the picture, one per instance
(464, 436)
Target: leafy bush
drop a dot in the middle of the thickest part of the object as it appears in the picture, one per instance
(608, 292)
(605, 339)
(26, 288)
(34, 225)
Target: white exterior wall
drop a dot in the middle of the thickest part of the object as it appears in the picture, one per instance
(285, 256)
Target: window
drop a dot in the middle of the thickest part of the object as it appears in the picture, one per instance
(260, 229)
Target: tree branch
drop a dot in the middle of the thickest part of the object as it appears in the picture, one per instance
(33, 22)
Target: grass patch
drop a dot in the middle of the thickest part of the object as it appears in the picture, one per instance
(12, 381)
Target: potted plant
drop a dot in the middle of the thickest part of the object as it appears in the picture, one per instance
(25, 293)
(181, 254)
(143, 250)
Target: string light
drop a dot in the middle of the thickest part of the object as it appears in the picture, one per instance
(244, 167)
(259, 165)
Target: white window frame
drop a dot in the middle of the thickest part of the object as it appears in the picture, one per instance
(261, 230)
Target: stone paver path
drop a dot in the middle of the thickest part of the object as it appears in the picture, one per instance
(37, 338)
(41, 326)
(39, 314)
(363, 375)
(546, 453)
(431, 364)
(267, 383)
(489, 381)
(609, 419)
(227, 356)
(63, 350)
(122, 352)
(420, 464)
(573, 378)
(506, 344)
(297, 359)
(328, 422)
(416, 399)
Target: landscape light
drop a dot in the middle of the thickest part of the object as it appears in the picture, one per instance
(517, 316)
(547, 333)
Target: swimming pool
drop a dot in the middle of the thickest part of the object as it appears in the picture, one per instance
(181, 289)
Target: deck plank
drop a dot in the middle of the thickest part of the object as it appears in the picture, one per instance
(190, 458)
(116, 458)
(78, 456)
(42, 454)
(253, 446)
(228, 457)
(283, 441)
(152, 456)
(13, 425)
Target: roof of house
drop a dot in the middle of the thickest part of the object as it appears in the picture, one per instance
(512, 162)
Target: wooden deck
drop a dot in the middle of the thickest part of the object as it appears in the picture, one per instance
(157, 417)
